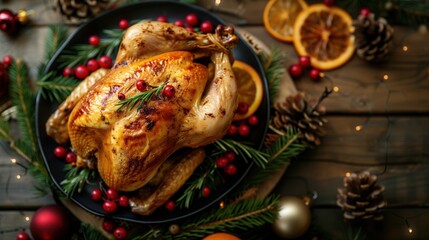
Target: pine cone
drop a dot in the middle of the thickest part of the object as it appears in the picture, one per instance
(373, 37)
(361, 198)
(298, 112)
(77, 11)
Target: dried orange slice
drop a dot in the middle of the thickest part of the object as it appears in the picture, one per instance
(325, 34)
(279, 17)
(249, 88)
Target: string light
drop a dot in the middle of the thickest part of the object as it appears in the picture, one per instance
(18, 176)
(385, 77)
(358, 128)
(336, 89)
(405, 48)
(221, 204)
(13, 160)
(27, 218)
(347, 174)
(410, 230)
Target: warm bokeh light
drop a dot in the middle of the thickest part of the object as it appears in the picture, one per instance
(18, 176)
(347, 174)
(27, 218)
(385, 77)
(13, 160)
(358, 128)
(336, 89)
(410, 230)
(222, 204)
(405, 48)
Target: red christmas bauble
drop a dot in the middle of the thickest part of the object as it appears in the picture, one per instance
(50, 222)
(9, 22)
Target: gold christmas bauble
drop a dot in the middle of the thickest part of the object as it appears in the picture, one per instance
(293, 217)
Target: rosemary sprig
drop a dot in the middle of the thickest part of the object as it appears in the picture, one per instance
(75, 179)
(246, 152)
(140, 99)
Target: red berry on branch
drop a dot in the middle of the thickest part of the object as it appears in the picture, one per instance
(123, 24)
(7, 61)
(141, 85)
(179, 23)
(123, 201)
(169, 91)
(120, 233)
(81, 72)
(162, 18)
(112, 194)
(315, 74)
(22, 236)
(94, 40)
(96, 194)
(71, 157)
(253, 120)
(231, 169)
(68, 72)
(192, 19)
(206, 27)
(206, 192)
(121, 96)
(305, 61)
(244, 130)
(329, 2)
(365, 12)
(295, 71)
(105, 61)
(221, 162)
(110, 206)
(108, 226)
(92, 65)
(170, 205)
(232, 130)
(60, 152)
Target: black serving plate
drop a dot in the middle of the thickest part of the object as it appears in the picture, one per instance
(109, 20)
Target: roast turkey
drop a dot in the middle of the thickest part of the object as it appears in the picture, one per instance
(128, 143)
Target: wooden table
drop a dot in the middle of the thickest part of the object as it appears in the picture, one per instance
(393, 116)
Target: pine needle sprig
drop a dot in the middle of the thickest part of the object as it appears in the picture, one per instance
(244, 215)
(24, 99)
(81, 53)
(39, 173)
(56, 36)
(241, 149)
(75, 179)
(274, 70)
(56, 88)
(140, 99)
(206, 178)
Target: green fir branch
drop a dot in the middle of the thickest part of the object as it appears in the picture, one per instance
(24, 99)
(81, 53)
(56, 88)
(4, 130)
(205, 178)
(57, 34)
(246, 152)
(274, 70)
(40, 174)
(75, 179)
(245, 215)
(140, 99)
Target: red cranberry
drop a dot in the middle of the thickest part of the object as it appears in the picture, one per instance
(123, 201)
(179, 23)
(169, 91)
(94, 40)
(162, 18)
(231, 169)
(305, 61)
(112, 194)
(253, 120)
(244, 130)
(206, 27)
(170, 205)
(365, 12)
(92, 65)
(22, 236)
(96, 194)
(295, 70)
(190, 29)
(105, 61)
(232, 130)
(110, 206)
(68, 72)
(60, 152)
(141, 85)
(81, 72)
(206, 192)
(71, 157)
(221, 162)
(315, 74)
(123, 24)
(243, 108)
(329, 2)
(192, 19)
(108, 226)
(120, 233)
(121, 96)
(230, 156)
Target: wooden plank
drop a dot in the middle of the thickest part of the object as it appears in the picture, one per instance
(403, 143)
(365, 91)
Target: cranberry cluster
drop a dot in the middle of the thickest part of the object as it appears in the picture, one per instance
(191, 22)
(111, 199)
(225, 162)
(82, 71)
(297, 70)
(66, 154)
(118, 232)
